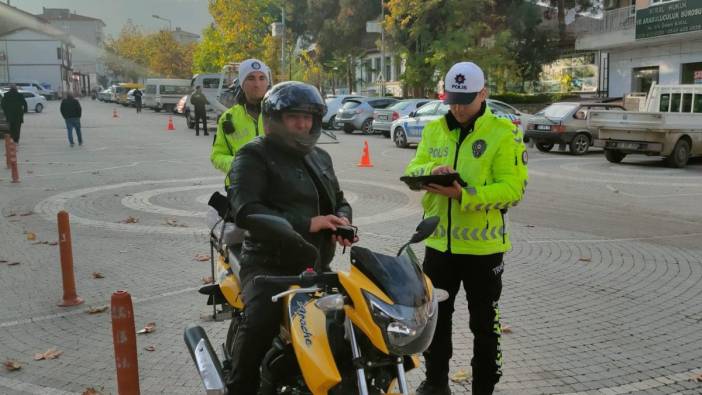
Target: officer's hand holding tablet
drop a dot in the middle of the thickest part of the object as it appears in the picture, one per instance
(443, 181)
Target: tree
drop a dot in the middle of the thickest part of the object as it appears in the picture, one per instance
(579, 6)
(532, 45)
(239, 32)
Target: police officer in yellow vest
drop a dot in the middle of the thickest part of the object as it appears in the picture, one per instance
(472, 236)
(241, 123)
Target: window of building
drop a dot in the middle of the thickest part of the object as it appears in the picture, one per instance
(688, 72)
(687, 102)
(643, 78)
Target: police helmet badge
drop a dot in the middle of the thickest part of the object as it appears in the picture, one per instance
(525, 157)
(256, 66)
(478, 148)
(460, 78)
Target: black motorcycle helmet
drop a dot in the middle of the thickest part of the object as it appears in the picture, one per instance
(293, 96)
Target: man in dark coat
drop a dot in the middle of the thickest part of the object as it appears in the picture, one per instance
(71, 112)
(14, 106)
(200, 103)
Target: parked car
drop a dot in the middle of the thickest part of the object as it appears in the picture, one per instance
(565, 123)
(384, 117)
(32, 86)
(180, 106)
(35, 101)
(357, 114)
(130, 98)
(334, 102)
(408, 130)
(164, 93)
(105, 95)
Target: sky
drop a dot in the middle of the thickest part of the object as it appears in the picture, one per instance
(190, 15)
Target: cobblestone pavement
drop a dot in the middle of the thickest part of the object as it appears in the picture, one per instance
(602, 291)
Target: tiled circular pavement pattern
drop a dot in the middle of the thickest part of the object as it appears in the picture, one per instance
(602, 290)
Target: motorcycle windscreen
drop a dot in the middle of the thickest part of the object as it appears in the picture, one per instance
(308, 333)
(400, 278)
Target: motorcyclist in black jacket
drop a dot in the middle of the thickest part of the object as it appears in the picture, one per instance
(282, 173)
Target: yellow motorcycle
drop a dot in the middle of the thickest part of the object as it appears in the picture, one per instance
(355, 331)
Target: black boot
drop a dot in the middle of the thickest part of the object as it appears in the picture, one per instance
(427, 388)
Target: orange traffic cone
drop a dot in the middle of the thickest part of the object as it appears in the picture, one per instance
(114, 113)
(365, 158)
(170, 123)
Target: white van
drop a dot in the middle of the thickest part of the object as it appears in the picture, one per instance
(32, 86)
(164, 93)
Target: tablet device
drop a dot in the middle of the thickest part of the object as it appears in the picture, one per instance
(417, 182)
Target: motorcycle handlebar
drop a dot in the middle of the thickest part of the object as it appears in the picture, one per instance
(306, 279)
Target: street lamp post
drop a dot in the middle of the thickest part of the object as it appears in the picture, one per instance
(170, 26)
(382, 49)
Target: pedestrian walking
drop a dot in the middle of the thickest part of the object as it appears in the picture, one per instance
(72, 111)
(14, 106)
(137, 99)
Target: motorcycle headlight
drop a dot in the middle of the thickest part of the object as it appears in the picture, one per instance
(406, 330)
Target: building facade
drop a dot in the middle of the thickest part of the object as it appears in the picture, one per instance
(646, 41)
(87, 36)
(33, 50)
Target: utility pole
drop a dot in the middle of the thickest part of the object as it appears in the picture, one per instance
(382, 48)
(282, 45)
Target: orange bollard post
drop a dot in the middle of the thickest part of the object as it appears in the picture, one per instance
(124, 339)
(13, 161)
(70, 298)
(7, 150)
(170, 123)
(365, 158)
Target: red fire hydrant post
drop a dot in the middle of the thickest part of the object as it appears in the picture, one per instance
(70, 298)
(7, 150)
(12, 151)
(124, 339)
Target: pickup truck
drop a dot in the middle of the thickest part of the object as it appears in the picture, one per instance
(670, 127)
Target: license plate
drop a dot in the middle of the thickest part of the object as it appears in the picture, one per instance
(628, 145)
(543, 127)
(383, 117)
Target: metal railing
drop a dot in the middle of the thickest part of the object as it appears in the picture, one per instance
(613, 20)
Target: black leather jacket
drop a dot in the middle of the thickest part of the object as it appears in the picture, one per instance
(270, 179)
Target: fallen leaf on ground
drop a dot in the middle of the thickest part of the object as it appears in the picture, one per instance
(12, 365)
(31, 236)
(10, 215)
(13, 263)
(3, 261)
(460, 376)
(583, 259)
(506, 329)
(150, 348)
(52, 243)
(531, 226)
(173, 222)
(129, 220)
(98, 275)
(149, 328)
(697, 378)
(202, 257)
(26, 214)
(97, 310)
(51, 353)
(91, 391)
(207, 280)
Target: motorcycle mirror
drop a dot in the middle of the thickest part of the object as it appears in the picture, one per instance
(425, 229)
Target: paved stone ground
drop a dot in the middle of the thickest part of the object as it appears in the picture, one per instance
(602, 289)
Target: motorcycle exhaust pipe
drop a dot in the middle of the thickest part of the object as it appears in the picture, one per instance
(205, 359)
